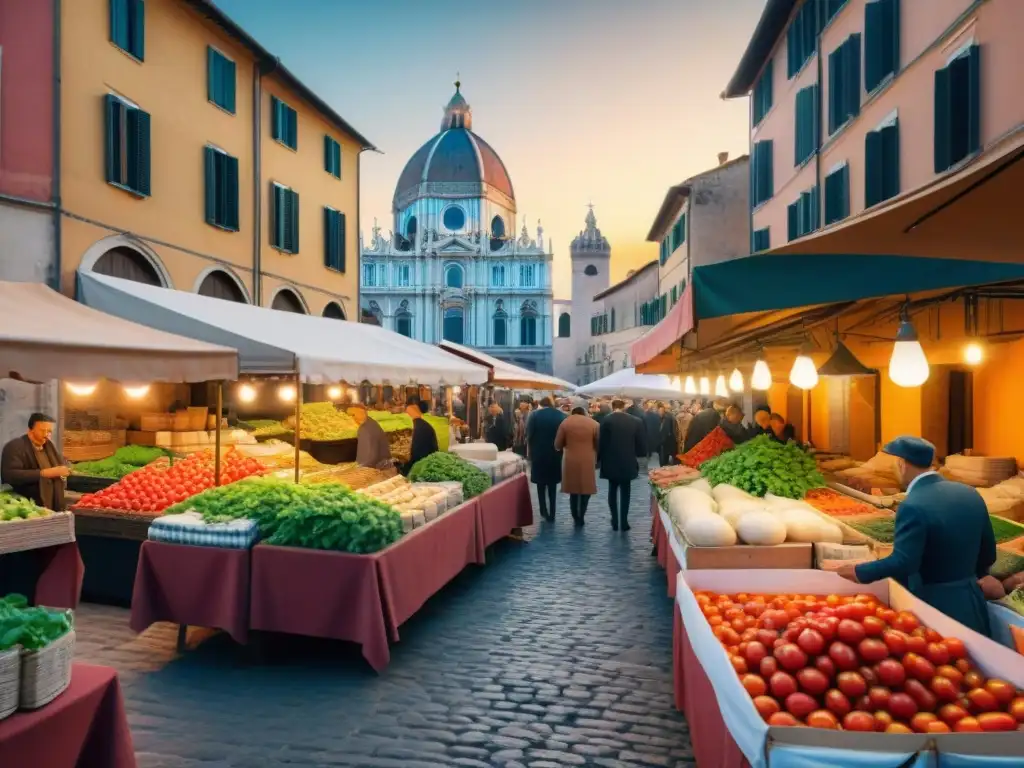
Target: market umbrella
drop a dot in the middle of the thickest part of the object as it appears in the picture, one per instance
(628, 383)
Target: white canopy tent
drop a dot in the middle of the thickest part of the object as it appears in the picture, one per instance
(628, 383)
(505, 374)
(45, 335)
(318, 350)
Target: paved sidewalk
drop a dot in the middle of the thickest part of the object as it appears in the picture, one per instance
(557, 653)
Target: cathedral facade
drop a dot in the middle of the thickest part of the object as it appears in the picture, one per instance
(453, 266)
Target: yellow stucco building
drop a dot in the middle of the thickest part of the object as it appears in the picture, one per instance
(191, 158)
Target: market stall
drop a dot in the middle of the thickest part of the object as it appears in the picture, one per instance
(627, 382)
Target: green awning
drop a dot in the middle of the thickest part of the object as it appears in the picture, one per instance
(777, 282)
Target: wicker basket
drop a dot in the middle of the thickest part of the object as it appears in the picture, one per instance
(10, 681)
(46, 673)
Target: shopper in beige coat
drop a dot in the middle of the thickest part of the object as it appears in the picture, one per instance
(577, 437)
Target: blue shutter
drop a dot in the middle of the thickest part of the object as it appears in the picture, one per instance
(874, 169)
(293, 222)
(891, 161)
(834, 89)
(231, 202)
(113, 109)
(973, 97)
(212, 192)
(293, 128)
(792, 221)
(275, 118)
(943, 147)
(852, 76)
(119, 23)
(138, 151)
(280, 217)
(874, 44)
(138, 29)
(212, 76)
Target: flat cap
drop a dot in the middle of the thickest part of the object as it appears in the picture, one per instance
(913, 450)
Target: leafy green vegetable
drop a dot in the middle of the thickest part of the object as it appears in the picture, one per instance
(14, 507)
(124, 461)
(447, 467)
(762, 465)
(1005, 530)
(320, 516)
(1014, 601)
(31, 628)
(882, 530)
(1006, 564)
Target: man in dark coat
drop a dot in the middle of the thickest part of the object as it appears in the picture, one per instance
(635, 411)
(32, 465)
(652, 423)
(703, 424)
(497, 430)
(944, 539)
(666, 441)
(781, 431)
(545, 461)
(622, 439)
(424, 438)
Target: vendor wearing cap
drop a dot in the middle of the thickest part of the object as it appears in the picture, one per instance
(944, 538)
(372, 446)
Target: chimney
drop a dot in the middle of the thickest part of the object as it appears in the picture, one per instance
(723, 158)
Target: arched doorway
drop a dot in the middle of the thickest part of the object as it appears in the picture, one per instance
(220, 285)
(334, 311)
(127, 264)
(287, 300)
(452, 329)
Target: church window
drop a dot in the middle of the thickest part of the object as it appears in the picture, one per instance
(500, 328)
(369, 275)
(527, 275)
(454, 218)
(453, 276)
(497, 228)
(527, 326)
(410, 228)
(453, 325)
(564, 326)
(497, 275)
(403, 320)
(590, 270)
(402, 275)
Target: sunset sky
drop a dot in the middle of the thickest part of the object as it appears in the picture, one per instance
(607, 101)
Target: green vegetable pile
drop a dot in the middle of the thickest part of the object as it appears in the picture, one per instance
(320, 516)
(1005, 530)
(14, 508)
(31, 628)
(124, 461)
(1014, 601)
(882, 530)
(447, 467)
(1006, 564)
(762, 466)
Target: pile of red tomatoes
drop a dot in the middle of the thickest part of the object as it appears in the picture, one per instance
(852, 663)
(154, 488)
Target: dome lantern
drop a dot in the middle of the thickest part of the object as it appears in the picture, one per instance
(458, 113)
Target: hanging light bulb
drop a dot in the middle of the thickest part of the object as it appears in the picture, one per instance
(804, 375)
(736, 380)
(456, 390)
(705, 385)
(136, 391)
(677, 384)
(246, 393)
(761, 378)
(690, 387)
(334, 393)
(81, 390)
(973, 353)
(908, 367)
(287, 393)
(721, 389)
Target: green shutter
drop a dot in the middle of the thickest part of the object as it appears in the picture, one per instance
(275, 118)
(231, 216)
(974, 99)
(852, 76)
(212, 192)
(328, 155)
(792, 221)
(293, 222)
(119, 23)
(113, 108)
(834, 89)
(874, 168)
(943, 146)
(138, 151)
(341, 243)
(293, 127)
(874, 44)
(229, 85)
(891, 160)
(138, 29)
(280, 215)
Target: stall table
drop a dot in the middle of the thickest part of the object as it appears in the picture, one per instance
(663, 549)
(52, 575)
(505, 507)
(84, 727)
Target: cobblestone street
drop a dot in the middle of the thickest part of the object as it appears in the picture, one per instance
(557, 653)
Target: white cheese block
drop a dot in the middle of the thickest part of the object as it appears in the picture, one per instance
(430, 511)
(407, 521)
(475, 451)
(418, 519)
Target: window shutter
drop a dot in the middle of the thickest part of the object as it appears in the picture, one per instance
(279, 218)
(275, 118)
(112, 108)
(138, 151)
(891, 161)
(138, 29)
(874, 168)
(874, 43)
(834, 89)
(852, 76)
(212, 192)
(212, 89)
(341, 244)
(329, 239)
(293, 128)
(792, 221)
(119, 23)
(974, 99)
(328, 155)
(229, 77)
(231, 219)
(892, 30)
(943, 147)
(293, 219)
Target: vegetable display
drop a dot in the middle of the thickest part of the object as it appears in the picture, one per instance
(1005, 530)
(1006, 564)
(124, 461)
(849, 662)
(762, 466)
(881, 529)
(323, 516)
(837, 504)
(715, 443)
(666, 477)
(323, 422)
(31, 628)
(153, 489)
(1014, 601)
(14, 508)
(441, 467)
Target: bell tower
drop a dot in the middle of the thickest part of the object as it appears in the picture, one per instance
(590, 254)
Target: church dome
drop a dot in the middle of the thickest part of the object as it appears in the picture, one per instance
(455, 162)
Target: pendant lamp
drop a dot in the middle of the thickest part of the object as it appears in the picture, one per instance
(705, 385)
(803, 374)
(721, 389)
(761, 378)
(690, 387)
(736, 380)
(973, 353)
(677, 384)
(908, 367)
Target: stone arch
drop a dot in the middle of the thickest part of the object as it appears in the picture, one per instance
(334, 311)
(128, 249)
(221, 283)
(288, 299)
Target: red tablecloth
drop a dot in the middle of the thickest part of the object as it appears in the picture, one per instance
(711, 740)
(663, 548)
(197, 586)
(60, 582)
(84, 727)
(503, 507)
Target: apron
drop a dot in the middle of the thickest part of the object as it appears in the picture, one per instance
(961, 600)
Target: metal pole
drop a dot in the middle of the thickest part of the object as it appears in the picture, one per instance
(298, 423)
(216, 440)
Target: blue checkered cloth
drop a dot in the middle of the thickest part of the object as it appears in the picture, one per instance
(190, 528)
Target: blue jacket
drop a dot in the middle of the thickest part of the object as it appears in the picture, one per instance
(944, 538)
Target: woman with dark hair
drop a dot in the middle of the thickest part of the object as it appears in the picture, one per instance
(577, 438)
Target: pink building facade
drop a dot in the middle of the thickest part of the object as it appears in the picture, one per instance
(27, 155)
(855, 103)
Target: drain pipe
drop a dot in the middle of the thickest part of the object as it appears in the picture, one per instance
(257, 183)
(55, 196)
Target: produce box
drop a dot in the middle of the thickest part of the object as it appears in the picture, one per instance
(35, 533)
(113, 523)
(804, 746)
(795, 555)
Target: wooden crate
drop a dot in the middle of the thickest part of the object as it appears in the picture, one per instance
(111, 524)
(37, 533)
(741, 556)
